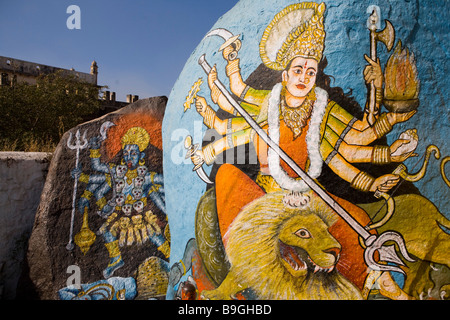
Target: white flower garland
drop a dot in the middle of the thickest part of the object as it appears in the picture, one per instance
(312, 140)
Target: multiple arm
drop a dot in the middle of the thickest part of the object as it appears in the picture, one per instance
(347, 147)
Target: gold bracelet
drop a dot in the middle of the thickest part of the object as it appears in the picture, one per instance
(215, 94)
(113, 248)
(111, 218)
(101, 203)
(382, 126)
(84, 178)
(232, 67)
(209, 117)
(379, 96)
(209, 154)
(184, 267)
(381, 155)
(95, 153)
(87, 194)
(362, 181)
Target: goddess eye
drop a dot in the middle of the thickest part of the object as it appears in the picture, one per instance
(311, 73)
(303, 233)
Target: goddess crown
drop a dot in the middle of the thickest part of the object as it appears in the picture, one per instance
(138, 136)
(296, 31)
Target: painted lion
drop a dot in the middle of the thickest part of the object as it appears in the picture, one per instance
(284, 252)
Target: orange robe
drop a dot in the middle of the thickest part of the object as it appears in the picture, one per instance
(234, 190)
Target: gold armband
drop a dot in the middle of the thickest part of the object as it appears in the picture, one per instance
(379, 96)
(84, 178)
(87, 194)
(101, 203)
(209, 154)
(154, 188)
(381, 155)
(215, 94)
(95, 153)
(362, 181)
(165, 249)
(382, 126)
(209, 117)
(232, 67)
(113, 248)
(111, 218)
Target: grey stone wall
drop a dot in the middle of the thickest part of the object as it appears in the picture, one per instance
(22, 177)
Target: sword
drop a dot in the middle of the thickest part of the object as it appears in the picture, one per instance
(372, 242)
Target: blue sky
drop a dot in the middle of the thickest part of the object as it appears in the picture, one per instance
(140, 46)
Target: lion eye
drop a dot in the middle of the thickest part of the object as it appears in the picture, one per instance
(303, 233)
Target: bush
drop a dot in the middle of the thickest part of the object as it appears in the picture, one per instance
(34, 117)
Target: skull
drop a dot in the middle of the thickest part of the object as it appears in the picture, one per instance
(127, 209)
(137, 193)
(120, 184)
(141, 171)
(121, 170)
(138, 182)
(138, 206)
(120, 199)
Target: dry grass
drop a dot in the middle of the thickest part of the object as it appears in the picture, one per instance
(28, 144)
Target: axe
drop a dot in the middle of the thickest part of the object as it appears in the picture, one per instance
(386, 36)
(229, 39)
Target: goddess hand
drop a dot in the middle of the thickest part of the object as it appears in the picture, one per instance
(212, 76)
(83, 203)
(401, 157)
(198, 157)
(76, 172)
(385, 183)
(395, 118)
(200, 105)
(373, 72)
(227, 51)
(94, 143)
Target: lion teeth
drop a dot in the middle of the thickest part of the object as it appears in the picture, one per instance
(297, 267)
(316, 269)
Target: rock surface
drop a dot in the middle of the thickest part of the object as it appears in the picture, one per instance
(22, 179)
(109, 244)
(347, 41)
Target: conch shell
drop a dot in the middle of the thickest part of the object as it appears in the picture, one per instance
(411, 135)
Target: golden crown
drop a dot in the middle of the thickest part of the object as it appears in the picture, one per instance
(296, 31)
(138, 136)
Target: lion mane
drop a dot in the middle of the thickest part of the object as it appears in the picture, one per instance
(253, 249)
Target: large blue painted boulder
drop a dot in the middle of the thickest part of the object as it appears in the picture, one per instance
(243, 222)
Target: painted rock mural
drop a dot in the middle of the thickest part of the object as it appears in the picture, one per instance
(302, 155)
(101, 230)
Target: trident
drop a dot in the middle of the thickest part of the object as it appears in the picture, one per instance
(78, 145)
(386, 36)
(372, 242)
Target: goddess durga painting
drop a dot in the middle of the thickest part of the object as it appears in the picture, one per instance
(299, 114)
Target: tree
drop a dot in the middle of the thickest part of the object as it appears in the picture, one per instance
(43, 112)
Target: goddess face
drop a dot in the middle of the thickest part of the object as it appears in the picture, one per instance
(300, 76)
(132, 155)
